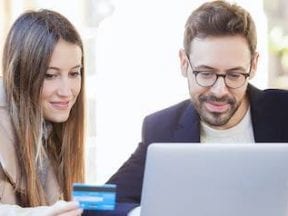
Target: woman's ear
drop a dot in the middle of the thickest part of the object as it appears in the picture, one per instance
(254, 65)
(183, 62)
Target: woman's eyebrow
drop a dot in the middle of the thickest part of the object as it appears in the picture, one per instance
(58, 69)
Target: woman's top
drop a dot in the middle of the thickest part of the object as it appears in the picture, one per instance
(10, 170)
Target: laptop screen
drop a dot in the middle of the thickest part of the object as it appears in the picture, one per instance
(219, 180)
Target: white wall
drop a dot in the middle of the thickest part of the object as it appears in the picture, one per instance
(138, 72)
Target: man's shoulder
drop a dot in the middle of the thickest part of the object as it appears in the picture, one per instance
(277, 94)
(171, 112)
(272, 96)
(170, 118)
(269, 105)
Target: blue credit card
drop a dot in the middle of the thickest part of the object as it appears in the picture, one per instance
(95, 197)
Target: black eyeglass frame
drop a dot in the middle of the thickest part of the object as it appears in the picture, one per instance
(196, 72)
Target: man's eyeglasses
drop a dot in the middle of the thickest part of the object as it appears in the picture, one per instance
(232, 79)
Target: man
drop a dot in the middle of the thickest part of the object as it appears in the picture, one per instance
(218, 60)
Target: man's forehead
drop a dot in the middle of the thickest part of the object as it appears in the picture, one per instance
(227, 51)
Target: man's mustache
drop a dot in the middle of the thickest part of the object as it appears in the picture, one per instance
(212, 98)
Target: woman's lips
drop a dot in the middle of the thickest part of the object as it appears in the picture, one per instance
(60, 105)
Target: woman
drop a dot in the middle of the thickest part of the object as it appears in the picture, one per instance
(42, 116)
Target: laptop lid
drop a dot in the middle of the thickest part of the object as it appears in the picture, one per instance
(215, 179)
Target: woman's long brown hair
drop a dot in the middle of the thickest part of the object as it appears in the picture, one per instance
(27, 53)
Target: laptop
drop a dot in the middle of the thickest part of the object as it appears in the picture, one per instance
(215, 180)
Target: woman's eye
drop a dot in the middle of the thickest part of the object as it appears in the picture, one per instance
(50, 76)
(75, 73)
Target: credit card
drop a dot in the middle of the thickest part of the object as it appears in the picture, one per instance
(95, 197)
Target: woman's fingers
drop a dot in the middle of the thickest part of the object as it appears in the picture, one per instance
(63, 208)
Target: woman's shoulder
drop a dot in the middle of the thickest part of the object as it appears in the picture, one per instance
(6, 128)
(2, 94)
(8, 158)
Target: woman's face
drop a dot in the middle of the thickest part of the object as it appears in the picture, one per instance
(62, 82)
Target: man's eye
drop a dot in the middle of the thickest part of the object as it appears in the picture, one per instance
(233, 76)
(207, 74)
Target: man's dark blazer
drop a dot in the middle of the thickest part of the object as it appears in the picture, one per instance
(180, 123)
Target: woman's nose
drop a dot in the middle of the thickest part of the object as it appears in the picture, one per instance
(64, 88)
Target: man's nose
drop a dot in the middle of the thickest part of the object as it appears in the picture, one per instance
(219, 88)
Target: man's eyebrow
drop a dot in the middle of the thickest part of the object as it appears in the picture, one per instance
(237, 69)
(206, 67)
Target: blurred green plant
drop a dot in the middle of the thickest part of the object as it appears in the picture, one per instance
(278, 45)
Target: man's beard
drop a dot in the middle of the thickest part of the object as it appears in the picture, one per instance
(216, 118)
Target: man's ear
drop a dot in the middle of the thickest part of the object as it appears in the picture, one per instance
(254, 65)
(183, 62)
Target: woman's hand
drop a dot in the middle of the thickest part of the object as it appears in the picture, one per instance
(63, 208)
(60, 208)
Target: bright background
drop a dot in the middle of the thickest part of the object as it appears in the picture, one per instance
(132, 65)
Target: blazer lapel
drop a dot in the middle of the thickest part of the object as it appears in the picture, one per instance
(188, 129)
(266, 126)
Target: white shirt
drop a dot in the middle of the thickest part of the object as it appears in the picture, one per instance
(240, 133)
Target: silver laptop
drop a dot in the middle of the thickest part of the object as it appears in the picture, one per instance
(215, 180)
